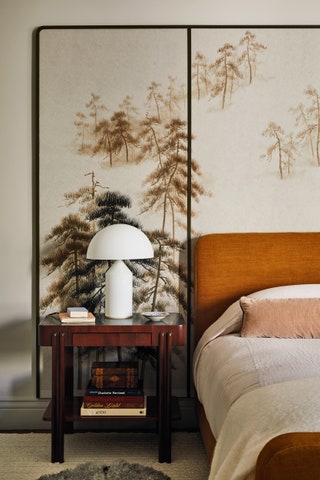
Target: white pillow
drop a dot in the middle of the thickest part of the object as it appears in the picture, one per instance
(307, 290)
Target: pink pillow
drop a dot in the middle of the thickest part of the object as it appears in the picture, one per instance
(280, 317)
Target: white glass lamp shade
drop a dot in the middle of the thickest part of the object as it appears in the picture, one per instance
(119, 242)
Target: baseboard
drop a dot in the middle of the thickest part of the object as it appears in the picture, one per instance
(27, 416)
(23, 415)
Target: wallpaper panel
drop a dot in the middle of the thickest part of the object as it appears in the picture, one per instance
(113, 148)
(255, 117)
(180, 131)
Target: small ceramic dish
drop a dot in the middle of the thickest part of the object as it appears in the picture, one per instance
(155, 316)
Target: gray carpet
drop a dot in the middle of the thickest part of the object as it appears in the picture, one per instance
(118, 470)
(26, 456)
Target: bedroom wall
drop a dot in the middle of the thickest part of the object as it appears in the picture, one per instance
(18, 19)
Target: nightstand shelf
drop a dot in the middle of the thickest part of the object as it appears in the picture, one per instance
(72, 412)
(138, 331)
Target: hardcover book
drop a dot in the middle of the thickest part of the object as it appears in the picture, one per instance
(115, 381)
(114, 374)
(105, 368)
(133, 399)
(65, 318)
(102, 392)
(112, 404)
(116, 412)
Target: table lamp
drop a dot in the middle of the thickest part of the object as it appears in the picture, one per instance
(119, 242)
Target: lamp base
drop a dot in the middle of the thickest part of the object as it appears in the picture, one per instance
(118, 291)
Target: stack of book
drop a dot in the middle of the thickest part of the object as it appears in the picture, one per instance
(76, 315)
(114, 391)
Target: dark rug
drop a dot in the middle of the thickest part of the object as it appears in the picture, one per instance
(119, 470)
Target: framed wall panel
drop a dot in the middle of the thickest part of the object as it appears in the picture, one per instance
(113, 148)
(180, 130)
(255, 120)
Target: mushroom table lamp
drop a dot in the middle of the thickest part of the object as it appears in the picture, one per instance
(119, 242)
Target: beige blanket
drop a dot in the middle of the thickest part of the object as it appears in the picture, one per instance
(258, 416)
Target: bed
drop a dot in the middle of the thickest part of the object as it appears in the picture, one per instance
(267, 430)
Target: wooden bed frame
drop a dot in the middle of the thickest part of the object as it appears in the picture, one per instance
(227, 266)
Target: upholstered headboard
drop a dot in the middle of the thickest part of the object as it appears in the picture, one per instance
(227, 266)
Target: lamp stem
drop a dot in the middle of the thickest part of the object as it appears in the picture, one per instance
(118, 291)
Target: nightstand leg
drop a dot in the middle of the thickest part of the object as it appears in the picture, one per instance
(57, 409)
(164, 399)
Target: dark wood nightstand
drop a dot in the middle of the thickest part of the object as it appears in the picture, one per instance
(138, 331)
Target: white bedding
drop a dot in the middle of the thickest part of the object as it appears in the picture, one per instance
(253, 389)
(227, 365)
(266, 412)
(230, 366)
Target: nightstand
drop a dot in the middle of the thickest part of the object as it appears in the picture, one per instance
(137, 331)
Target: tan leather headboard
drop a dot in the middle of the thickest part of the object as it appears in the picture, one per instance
(227, 266)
